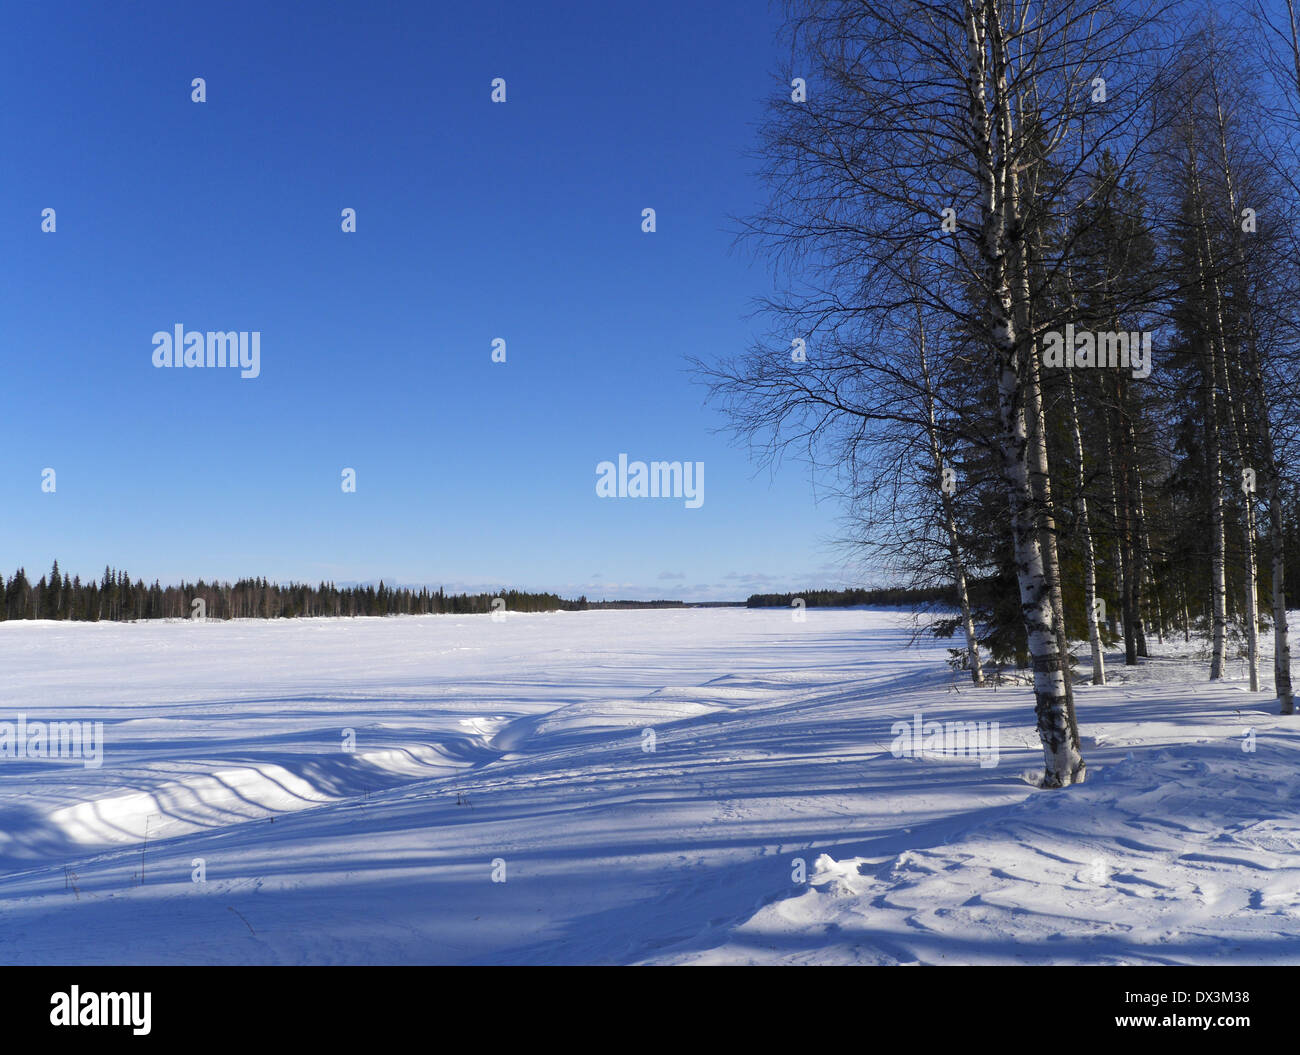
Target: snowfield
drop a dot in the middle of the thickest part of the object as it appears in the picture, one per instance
(626, 787)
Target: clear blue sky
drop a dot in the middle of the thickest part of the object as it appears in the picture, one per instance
(474, 221)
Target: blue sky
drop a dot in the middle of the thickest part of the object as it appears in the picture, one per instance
(475, 220)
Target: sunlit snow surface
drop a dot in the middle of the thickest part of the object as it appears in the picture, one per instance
(520, 748)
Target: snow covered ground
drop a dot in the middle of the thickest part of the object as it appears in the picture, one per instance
(521, 751)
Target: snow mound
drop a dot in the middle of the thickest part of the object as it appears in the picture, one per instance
(1191, 856)
(217, 796)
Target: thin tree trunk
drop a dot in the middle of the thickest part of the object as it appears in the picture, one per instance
(1144, 539)
(1219, 354)
(1281, 645)
(1130, 573)
(1090, 561)
(1137, 552)
(1214, 484)
(1252, 583)
(1214, 464)
(1117, 561)
(950, 522)
(1277, 543)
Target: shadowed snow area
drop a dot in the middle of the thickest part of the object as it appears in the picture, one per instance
(646, 783)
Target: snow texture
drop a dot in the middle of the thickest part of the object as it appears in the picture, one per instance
(520, 750)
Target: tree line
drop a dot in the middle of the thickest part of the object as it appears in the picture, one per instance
(116, 598)
(889, 596)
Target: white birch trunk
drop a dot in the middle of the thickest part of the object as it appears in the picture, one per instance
(1062, 760)
(1277, 542)
(1214, 472)
(1219, 354)
(950, 522)
(1090, 561)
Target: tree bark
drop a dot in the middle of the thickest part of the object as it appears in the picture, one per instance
(1063, 761)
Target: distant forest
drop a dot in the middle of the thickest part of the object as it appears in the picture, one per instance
(116, 598)
(892, 596)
